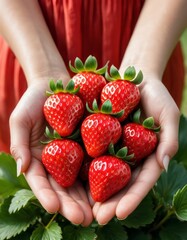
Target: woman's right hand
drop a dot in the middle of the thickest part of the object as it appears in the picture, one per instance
(27, 126)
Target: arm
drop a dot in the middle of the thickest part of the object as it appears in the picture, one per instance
(159, 28)
(23, 27)
(30, 40)
(157, 31)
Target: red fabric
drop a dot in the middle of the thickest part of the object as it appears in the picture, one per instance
(80, 28)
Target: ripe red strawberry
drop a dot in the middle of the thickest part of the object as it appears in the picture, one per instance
(63, 109)
(140, 139)
(107, 175)
(122, 92)
(83, 173)
(62, 158)
(98, 130)
(89, 79)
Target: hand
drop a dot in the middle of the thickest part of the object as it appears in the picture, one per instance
(156, 102)
(27, 125)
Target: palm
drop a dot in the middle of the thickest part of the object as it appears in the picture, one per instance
(71, 202)
(156, 102)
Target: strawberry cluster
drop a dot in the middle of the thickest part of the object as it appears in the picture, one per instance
(94, 138)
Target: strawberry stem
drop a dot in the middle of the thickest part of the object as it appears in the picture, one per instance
(90, 65)
(129, 75)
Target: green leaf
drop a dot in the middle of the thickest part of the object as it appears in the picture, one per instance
(78, 233)
(13, 224)
(114, 72)
(170, 182)
(90, 64)
(129, 73)
(79, 64)
(20, 200)
(52, 85)
(148, 122)
(102, 70)
(122, 152)
(70, 86)
(113, 230)
(9, 182)
(181, 155)
(59, 85)
(106, 107)
(138, 79)
(174, 230)
(138, 234)
(51, 232)
(143, 214)
(180, 203)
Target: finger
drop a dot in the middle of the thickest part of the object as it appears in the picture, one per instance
(101, 212)
(73, 204)
(143, 183)
(19, 147)
(79, 195)
(104, 212)
(168, 138)
(37, 180)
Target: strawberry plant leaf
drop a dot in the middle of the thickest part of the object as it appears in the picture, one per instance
(140, 217)
(181, 155)
(20, 200)
(53, 231)
(180, 203)
(170, 182)
(138, 235)
(78, 233)
(113, 230)
(9, 182)
(13, 224)
(174, 230)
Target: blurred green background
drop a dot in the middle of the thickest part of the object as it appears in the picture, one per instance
(184, 45)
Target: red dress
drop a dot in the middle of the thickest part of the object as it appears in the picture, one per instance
(80, 28)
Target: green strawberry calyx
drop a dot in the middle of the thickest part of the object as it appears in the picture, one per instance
(129, 75)
(148, 123)
(122, 153)
(90, 65)
(57, 87)
(54, 135)
(106, 108)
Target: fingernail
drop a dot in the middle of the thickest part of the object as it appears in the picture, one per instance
(19, 164)
(166, 162)
(121, 219)
(102, 224)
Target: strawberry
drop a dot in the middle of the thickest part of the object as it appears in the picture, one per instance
(83, 173)
(99, 129)
(63, 109)
(107, 175)
(62, 158)
(140, 139)
(122, 92)
(88, 78)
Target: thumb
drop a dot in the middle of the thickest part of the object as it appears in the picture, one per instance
(19, 143)
(168, 142)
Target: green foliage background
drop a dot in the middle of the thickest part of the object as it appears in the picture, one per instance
(162, 215)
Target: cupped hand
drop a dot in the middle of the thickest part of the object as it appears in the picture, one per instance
(27, 126)
(156, 102)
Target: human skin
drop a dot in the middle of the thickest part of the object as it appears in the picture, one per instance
(155, 35)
